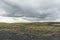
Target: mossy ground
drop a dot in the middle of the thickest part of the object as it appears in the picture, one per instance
(39, 30)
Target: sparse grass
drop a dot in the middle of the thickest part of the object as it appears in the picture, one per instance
(42, 29)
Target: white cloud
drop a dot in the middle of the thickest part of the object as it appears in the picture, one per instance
(12, 19)
(2, 12)
(33, 10)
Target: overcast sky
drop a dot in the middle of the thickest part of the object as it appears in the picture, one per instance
(30, 10)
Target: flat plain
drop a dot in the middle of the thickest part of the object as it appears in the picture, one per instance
(30, 31)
